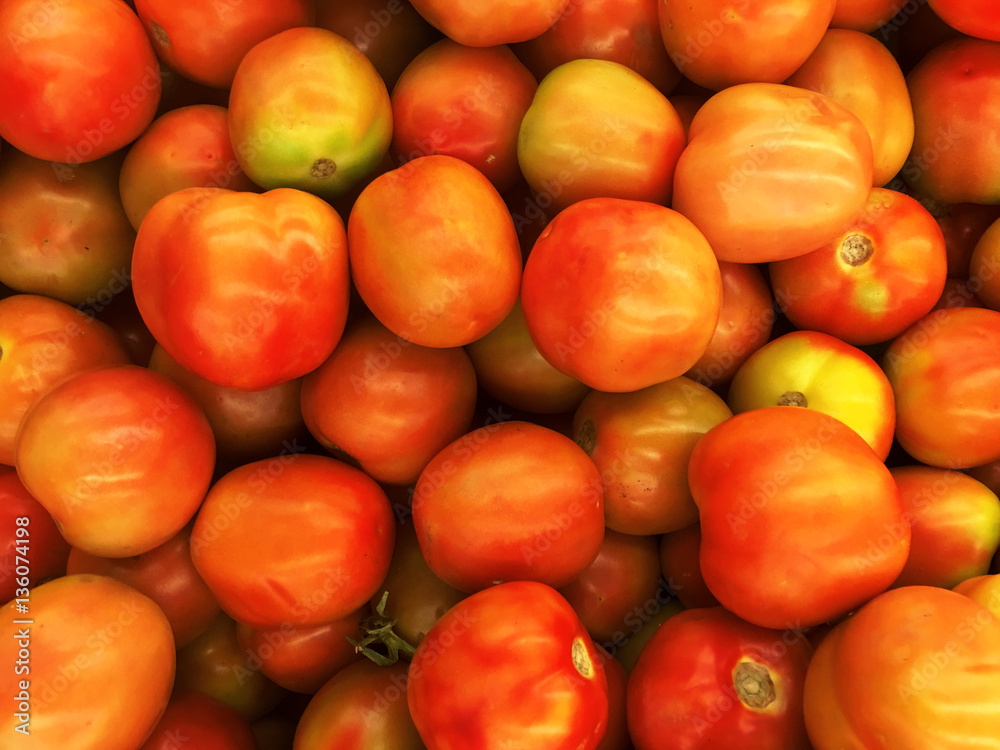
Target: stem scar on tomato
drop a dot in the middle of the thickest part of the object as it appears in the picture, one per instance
(793, 398)
(753, 685)
(581, 660)
(856, 249)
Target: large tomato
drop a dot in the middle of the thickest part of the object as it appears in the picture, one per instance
(199, 722)
(772, 171)
(245, 290)
(978, 18)
(80, 78)
(530, 674)
(808, 510)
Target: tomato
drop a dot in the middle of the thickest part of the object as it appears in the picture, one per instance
(623, 32)
(621, 294)
(186, 147)
(300, 539)
(203, 722)
(434, 253)
(771, 171)
(718, 44)
(984, 267)
(958, 293)
(973, 17)
(955, 524)
(616, 735)
(80, 78)
(466, 102)
(545, 677)
(680, 567)
(308, 110)
(206, 41)
(65, 235)
(816, 371)
(879, 98)
(388, 404)
(273, 315)
(641, 442)
(490, 22)
(917, 667)
(67, 674)
(120, 456)
(623, 576)
(746, 319)
(627, 647)
(963, 225)
(946, 380)
(707, 678)
(595, 129)
(477, 527)
(950, 161)
(37, 539)
(166, 575)
(43, 341)
(362, 706)
(863, 15)
(121, 314)
(983, 589)
(809, 510)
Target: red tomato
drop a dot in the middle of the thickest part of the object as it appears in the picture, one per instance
(271, 317)
(389, 405)
(512, 501)
(434, 253)
(863, 15)
(771, 171)
(200, 722)
(708, 678)
(917, 667)
(120, 456)
(80, 78)
(963, 224)
(300, 539)
(122, 315)
(466, 102)
(166, 575)
(37, 540)
(979, 18)
(490, 22)
(957, 293)
(680, 567)
(621, 294)
(91, 670)
(616, 735)
(984, 267)
(530, 673)
(810, 512)
(716, 43)
(206, 41)
(946, 380)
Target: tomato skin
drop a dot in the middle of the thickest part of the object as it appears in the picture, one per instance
(466, 102)
(597, 129)
(84, 629)
(863, 15)
(946, 382)
(679, 565)
(491, 22)
(907, 670)
(621, 294)
(978, 18)
(707, 677)
(120, 456)
(983, 589)
(273, 316)
(772, 170)
(984, 267)
(73, 97)
(204, 722)
(766, 483)
(557, 691)
(43, 341)
(963, 225)
(206, 41)
(641, 442)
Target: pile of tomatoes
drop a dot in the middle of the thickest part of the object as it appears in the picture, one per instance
(499, 375)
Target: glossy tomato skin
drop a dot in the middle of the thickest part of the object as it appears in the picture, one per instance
(621, 294)
(707, 677)
(204, 723)
(976, 18)
(918, 667)
(766, 482)
(878, 277)
(944, 375)
(771, 171)
(81, 80)
(466, 102)
(206, 41)
(120, 456)
(271, 317)
(312, 535)
(491, 22)
(43, 341)
(39, 536)
(83, 630)
(558, 689)
(476, 527)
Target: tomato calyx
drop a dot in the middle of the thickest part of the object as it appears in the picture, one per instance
(793, 398)
(856, 250)
(377, 631)
(753, 685)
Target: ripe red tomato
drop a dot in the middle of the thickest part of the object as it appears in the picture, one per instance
(681, 569)
(200, 722)
(490, 22)
(80, 78)
(978, 18)
(551, 685)
(274, 315)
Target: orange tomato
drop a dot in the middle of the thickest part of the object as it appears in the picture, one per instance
(490, 22)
